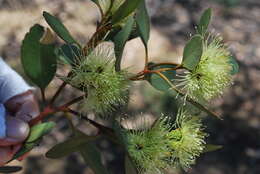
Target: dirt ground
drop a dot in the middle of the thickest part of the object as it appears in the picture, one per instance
(172, 23)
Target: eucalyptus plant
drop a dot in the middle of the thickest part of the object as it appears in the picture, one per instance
(206, 70)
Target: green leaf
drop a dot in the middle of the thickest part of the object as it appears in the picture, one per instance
(92, 157)
(204, 21)
(103, 5)
(157, 82)
(69, 146)
(143, 22)
(120, 134)
(10, 169)
(129, 166)
(134, 33)
(125, 10)
(119, 131)
(212, 147)
(120, 40)
(39, 131)
(192, 52)
(35, 137)
(38, 60)
(69, 53)
(27, 147)
(58, 27)
(111, 35)
(95, 1)
(235, 66)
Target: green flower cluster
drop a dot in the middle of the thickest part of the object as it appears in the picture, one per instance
(148, 148)
(164, 146)
(187, 141)
(105, 87)
(213, 73)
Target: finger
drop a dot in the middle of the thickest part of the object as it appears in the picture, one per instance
(6, 154)
(8, 142)
(17, 131)
(16, 148)
(28, 111)
(16, 103)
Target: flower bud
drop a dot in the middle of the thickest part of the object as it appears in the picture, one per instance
(212, 74)
(187, 141)
(149, 147)
(105, 87)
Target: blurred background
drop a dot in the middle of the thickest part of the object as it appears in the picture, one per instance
(173, 21)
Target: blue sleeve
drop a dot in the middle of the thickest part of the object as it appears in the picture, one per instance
(11, 83)
(2, 122)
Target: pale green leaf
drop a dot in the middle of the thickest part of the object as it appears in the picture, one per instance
(192, 52)
(204, 22)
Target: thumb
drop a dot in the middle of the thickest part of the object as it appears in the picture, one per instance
(17, 131)
(7, 153)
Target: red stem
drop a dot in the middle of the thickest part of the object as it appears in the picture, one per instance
(57, 93)
(44, 113)
(50, 110)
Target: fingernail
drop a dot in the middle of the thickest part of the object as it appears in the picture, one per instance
(17, 129)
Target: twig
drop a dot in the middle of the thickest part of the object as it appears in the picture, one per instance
(63, 85)
(58, 93)
(165, 63)
(101, 31)
(76, 100)
(43, 96)
(205, 109)
(97, 125)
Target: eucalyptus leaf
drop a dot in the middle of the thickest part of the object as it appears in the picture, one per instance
(143, 22)
(39, 130)
(104, 5)
(120, 134)
(35, 137)
(69, 53)
(27, 147)
(38, 60)
(204, 21)
(116, 5)
(157, 82)
(128, 7)
(58, 27)
(120, 40)
(235, 66)
(10, 169)
(134, 33)
(92, 157)
(192, 52)
(212, 147)
(129, 166)
(69, 146)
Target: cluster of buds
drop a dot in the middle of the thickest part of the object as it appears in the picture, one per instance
(213, 73)
(164, 146)
(105, 87)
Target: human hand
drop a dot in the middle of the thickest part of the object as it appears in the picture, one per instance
(23, 107)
